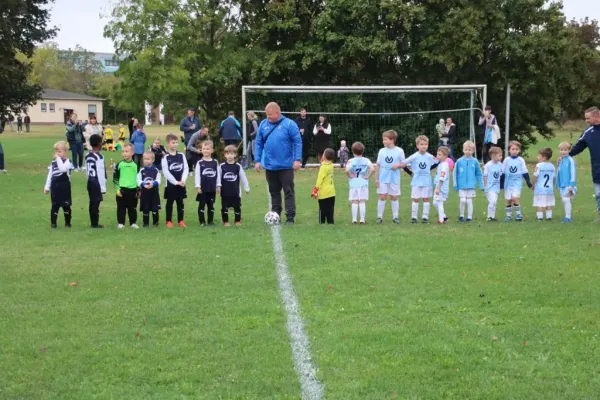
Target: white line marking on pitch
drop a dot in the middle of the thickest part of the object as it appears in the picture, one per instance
(310, 386)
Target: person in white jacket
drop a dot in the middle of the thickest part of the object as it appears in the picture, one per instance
(322, 132)
(93, 128)
(492, 132)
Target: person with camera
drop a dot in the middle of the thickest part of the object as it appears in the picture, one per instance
(76, 139)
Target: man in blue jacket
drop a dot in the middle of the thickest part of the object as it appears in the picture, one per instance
(591, 139)
(278, 149)
(190, 125)
(230, 130)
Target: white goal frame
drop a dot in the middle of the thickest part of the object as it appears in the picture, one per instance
(369, 89)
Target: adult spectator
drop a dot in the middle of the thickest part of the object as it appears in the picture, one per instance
(305, 124)
(75, 138)
(230, 130)
(2, 170)
(138, 140)
(192, 147)
(489, 139)
(19, 124)
(450, 135)
(278, 150)
(591, 139)
(189, 125)
(131, 125)
(322, 134)
(92, 128)
(27, 121)
(11, 122)
(251, 131)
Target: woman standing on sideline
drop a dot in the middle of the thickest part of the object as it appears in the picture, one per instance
(93, 128)
(138, 140)
(251, 131)
(322, 132)
(489, 139)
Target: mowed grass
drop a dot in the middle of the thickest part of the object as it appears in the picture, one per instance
(486, 311)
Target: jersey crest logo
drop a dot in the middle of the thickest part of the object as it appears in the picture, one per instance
(513, 170)
(496, 175)
(389, 160)
(148, 181)
(230, 177)
(177, 167)
(209, 173)
(422, 165)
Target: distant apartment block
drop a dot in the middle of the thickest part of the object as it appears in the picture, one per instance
(110, 62)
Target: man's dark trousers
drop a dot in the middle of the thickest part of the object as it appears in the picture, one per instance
(282, 180)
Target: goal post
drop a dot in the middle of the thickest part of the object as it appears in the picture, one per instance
(362, 113)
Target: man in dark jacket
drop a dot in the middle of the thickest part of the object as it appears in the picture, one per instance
(189, 125)
(230, 130)
(278, 150)
(76, 139)
(2, 123)
(132, 126)
(27, 121)
(450, 134)
(305, 125)
(591, 139)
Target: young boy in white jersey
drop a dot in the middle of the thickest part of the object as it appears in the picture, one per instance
(566, 179)
(492, 171)
(467, 176)
(441, 184)
(387, 171)
(543, 184)
(420, 164)
(514, 171)
(359, 169)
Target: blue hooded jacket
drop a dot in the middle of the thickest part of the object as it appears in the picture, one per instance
(467, 174)
(278, 145)
(138, 140)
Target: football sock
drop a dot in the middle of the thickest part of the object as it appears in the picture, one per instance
(395, 208)
(462, 204)
(470, 208)
(540, 214)
(380, 208)
(567, 204)
(354, 212)
(548, 214)
(426, 210)
(491, 210)
(517, 209)
(415, 210)
(67, 212)
(363, 211)
(146, 218)
(509, 211)
(155, 217)
(441, 212)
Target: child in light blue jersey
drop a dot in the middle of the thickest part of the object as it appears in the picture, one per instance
(566, 179)
(441, 183)
(467, 175)
(420, 164)
(514, 170)
(359, 169)
(387, 171)
(543, 184)
(492, 171)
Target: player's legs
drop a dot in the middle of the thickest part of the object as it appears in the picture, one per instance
(330, 209)
(169, 210)
(540, 213)
(462, 204)
(548, 212)
(509, 209)
(597, 194)
(381, 202)
(426, 206)
(210, 203)
(322, 211)
(517, 208)
(274, 190)
(415, 209)
(121, 210)
(492, 202)
(469, 208)
(286, 177)
(145, 215)
(180, 210)
(132, 206)
(224, 211)
(363, 211)
(568, 206)
(354, 211)
(441, 212)
(201, 205)
(395, 206)
(54, 215)
(94, 210)
(237, 210)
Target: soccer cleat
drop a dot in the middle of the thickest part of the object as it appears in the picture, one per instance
(519, 218)
(354, 222)
(211, 224)
(120, 226)
(508, 219)
(3, 171)
(362, 222)
(469, 220)
(169, 224)
(135, 226)
(53, 226)
(182, 224)
(379, 221)
(413, 221)
(425, 221)
(396, 221)
(67, 225)
(445, 219)
(540, 219)
(566, 220)
(461, 219)
(548, 219)
(226, 224)
(97, 226)
(238, 223)
(290, 221)
(202, 224)
(490, 219)
(146, 226)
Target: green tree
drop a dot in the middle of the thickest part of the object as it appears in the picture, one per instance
(23, 24)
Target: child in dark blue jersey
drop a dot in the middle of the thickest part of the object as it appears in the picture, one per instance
(96, 179)
(148, 180)
(208, 183)
(231, 193)
(58, 184)
(175, 168)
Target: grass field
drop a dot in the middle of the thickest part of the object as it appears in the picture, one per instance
(478, 311)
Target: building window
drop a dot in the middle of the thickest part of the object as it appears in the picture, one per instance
(51, 107)
(111, 63)
(43, 107)
(91, 110)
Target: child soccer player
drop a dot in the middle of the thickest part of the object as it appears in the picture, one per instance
(514, 170)
(125, 180)
(566, 179)
(121, 134)
(175, 168)
(543, 184)
(58, 184)
(148, 180)
(441, 183)
(324, 190)
(467, 174)
(96, 179)
(420, 163)
(492, 171)
(387, 171)
(208, 183)
(359, 169)
(231, 192)
(342, 154)
(108, 136)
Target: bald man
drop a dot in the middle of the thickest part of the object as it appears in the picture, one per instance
(278, 150)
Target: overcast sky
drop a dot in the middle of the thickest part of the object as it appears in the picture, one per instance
(79, 22)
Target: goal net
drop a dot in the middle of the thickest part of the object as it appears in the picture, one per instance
(363, 113)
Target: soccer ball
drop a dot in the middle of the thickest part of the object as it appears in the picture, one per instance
(272, 218)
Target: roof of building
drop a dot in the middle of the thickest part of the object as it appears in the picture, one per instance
(53, 94)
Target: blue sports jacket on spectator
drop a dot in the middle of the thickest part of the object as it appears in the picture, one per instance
(138, 140)
(230, 129)
(185, 127)
(590, 139)
(278, 149)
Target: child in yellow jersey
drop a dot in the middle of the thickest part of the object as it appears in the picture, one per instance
(108, 137)
(324, 189)
(121, 134)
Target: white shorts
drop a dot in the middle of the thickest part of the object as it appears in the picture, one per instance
(564, 192)
(357, 194)
(467, 194)
(510, 194)
(439, 198)
(491, 197)
(389, 188)
(543, 200)
(421, 192)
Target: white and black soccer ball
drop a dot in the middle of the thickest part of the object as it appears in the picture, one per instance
(272, 218)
